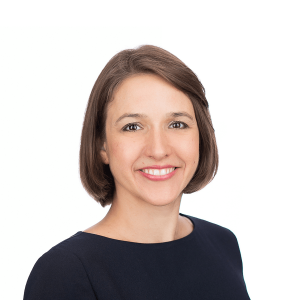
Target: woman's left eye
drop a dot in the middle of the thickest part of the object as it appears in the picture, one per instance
(185, 125)
(130, 125)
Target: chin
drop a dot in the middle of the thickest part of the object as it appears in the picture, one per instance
(160, 201)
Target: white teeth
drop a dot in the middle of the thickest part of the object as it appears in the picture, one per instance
(158, 171)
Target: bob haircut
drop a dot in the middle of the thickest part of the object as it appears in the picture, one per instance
(96, 176)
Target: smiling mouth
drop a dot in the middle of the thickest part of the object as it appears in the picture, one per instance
(158, 172)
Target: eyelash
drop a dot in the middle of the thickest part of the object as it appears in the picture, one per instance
(126, 126)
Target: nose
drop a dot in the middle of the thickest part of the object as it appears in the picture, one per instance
(157, 144)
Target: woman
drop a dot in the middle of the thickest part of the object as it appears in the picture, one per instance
(147, 138)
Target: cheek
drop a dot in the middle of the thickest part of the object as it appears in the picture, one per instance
(189, 151)
(190, 147)
(123, 154)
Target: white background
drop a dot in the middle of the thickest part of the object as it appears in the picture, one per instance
(245, 53)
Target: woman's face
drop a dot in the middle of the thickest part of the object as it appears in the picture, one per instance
(157, 138)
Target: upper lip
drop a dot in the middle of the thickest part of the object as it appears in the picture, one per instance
(158, 167)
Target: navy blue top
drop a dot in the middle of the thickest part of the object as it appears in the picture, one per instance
(206, 265)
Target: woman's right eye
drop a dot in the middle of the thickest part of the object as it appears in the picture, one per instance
(131, 125)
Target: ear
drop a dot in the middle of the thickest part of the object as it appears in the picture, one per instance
(104, 155)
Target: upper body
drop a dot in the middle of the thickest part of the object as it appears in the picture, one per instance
(205, 264)
(143, 248)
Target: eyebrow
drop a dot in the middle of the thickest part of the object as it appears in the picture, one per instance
(143, 116)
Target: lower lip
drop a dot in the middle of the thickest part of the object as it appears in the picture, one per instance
(158, 177)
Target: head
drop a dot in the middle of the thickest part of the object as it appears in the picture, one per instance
(153, 83)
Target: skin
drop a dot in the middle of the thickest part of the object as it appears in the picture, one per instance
(145, 211)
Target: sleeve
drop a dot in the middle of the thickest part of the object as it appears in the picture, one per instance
(237, 258)
(58, 275)
(235, 252)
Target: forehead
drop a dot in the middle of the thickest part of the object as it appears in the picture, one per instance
(139, 83)
(148, 92)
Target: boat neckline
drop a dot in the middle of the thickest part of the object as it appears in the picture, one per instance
(163, 244)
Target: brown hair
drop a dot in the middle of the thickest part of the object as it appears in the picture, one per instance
(96, 176)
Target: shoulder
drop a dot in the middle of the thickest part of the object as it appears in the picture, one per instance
(212, 230)
(57, 256)
(58, 274)
(67, 253)
(220, 239)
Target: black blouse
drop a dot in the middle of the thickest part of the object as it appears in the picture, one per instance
(206, 265)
